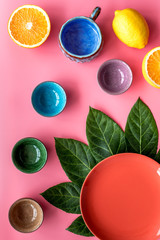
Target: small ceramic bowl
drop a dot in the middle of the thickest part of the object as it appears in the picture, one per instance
(80, 38)
(25, 215)
(29, 155)
(49, 99)
(115, 76)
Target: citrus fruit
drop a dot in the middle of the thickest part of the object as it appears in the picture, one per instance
(131, 28)
(151, 67)
(29, 26)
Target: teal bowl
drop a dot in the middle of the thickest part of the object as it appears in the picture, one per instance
(48, 99)
(29, 155)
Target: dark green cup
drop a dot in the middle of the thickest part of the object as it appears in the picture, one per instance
(29, 155)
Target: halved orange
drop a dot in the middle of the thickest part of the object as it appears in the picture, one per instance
(29, 26)
(151, 67)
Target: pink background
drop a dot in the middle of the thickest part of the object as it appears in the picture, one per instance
(22, 69)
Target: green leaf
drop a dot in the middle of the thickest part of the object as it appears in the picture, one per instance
(64, 196)
(75, 158)
(157, 157)
(79, 227)
(105, 137)
(141, 130)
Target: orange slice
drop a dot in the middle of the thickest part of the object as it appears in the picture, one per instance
(29, 26)
(151, 67)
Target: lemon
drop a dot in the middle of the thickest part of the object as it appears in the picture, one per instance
(131, 28)
(151, 67)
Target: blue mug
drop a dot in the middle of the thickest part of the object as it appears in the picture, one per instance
(80, 38)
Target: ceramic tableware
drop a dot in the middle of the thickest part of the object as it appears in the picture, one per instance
(120, 198)
(80, 37)
(49, 99)
(29, 155)
(114, 76)
(25, 215)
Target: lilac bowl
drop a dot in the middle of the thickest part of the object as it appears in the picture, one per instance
(114, 76)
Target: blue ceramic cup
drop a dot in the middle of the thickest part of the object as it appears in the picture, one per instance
(49, 99)
(80, 38)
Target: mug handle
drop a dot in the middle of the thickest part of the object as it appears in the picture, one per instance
(95, 13)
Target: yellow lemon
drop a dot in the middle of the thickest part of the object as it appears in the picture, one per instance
(151, 67)
(131, 28)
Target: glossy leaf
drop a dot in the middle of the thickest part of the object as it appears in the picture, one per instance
(75, 158)
(141, 130)
(64, 196)
(79, 227)
(157, 157)
(105, 137)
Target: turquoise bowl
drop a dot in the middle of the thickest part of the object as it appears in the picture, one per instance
(29, 155)
(49, 99)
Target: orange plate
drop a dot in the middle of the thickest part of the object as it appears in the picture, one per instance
(120, 198)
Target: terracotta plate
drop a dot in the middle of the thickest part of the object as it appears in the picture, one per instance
(120, 198)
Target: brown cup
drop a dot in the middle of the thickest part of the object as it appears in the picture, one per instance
(25, 215)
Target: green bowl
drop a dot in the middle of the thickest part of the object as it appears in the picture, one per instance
(29, 155)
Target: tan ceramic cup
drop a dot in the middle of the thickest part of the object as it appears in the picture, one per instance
(25, 215)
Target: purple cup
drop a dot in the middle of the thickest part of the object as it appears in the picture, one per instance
(114, 76)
